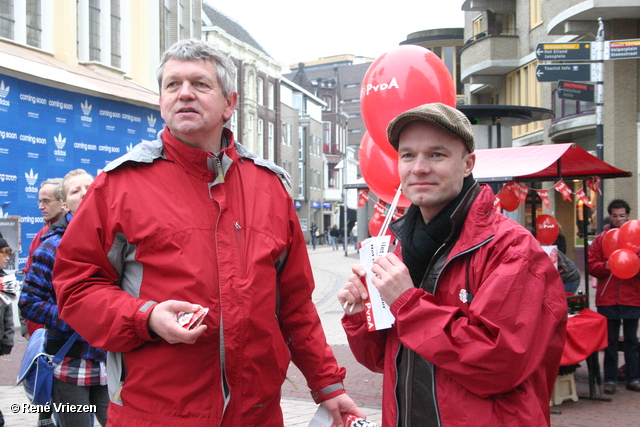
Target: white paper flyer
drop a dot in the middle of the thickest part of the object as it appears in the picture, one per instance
(378, 312)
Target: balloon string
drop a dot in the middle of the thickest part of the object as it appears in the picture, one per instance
(392, 209)
(606, 284)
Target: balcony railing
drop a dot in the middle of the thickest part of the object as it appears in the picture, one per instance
(491, 32)
(568, 108)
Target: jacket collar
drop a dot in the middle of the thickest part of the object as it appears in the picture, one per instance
(475, 209)
(197, 162)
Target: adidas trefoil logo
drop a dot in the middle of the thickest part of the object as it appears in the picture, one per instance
(86, 107)
(31, 178)
(4, 90)
(129, 147)
(60, 141)
(152, 120)
(4, 214)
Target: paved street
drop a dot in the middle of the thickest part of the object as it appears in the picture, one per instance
(331, 269)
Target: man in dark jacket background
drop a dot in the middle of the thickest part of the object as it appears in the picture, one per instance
(480, 310)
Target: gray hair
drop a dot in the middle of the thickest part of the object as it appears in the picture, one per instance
(194, 49)
(52, 181)
(61, 192)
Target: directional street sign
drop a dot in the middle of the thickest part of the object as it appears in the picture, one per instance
(576, 91)
(582, 51)
(579, 72)
(622, 49)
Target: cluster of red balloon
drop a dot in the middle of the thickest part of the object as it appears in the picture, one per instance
(398, 80)
(621, 246)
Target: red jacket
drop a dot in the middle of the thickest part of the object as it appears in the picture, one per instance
(611, 289)
(495, 359)
(166, 227)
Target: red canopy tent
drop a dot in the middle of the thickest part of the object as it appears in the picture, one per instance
(541, 163)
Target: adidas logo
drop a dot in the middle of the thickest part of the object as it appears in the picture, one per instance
(4, 90)
(31, 178)
(3, 214)
(86, 107)
(60, 141)
(152, 120)
(129, 147)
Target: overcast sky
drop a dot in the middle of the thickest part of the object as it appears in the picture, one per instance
(293, 31)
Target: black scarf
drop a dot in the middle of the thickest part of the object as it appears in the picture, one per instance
(421, 241)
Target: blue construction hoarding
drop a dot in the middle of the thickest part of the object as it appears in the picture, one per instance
(46, 132)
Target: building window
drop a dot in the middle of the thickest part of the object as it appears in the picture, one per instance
(260, 91)
(271, 93)
(94, 30)
(286, 134)
(180, 18)
(234, 123)
(260, 143)
(7, 20)
(535, 12)
(327, 100)
(326, 137)
(523, 89)
(167, 25)
(116, 56)
(34, 23)
(271, 147)
(477, 26)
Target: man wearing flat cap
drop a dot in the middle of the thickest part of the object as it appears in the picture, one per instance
(480, 311)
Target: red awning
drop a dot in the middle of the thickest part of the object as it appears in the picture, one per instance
(541, 163)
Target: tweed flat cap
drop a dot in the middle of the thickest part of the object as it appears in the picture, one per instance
(442, 115)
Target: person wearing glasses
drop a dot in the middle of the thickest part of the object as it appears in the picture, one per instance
(619, 301)
(81, 378)
(52, 210)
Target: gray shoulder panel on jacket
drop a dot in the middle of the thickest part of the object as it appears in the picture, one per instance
(144, 152)
(244, 152)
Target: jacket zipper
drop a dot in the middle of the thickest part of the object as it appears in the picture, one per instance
(433, 371)
(240, 248)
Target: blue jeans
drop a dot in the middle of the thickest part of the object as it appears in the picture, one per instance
(632, 369)
(334, 243)
(314, 240)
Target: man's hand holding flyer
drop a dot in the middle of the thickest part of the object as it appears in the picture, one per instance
(377, 311)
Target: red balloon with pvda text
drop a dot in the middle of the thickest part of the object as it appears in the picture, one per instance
(403, 78)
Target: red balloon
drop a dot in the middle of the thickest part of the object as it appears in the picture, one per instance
(401, 79)
(508, 200)
(380, 172)
(610, 242)
(624, 263)
(629, 236)
(547, 229)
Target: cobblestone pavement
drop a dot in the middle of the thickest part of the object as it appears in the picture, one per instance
(331, 269)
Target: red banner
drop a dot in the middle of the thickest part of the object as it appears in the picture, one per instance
(378, 210)
(583, 196)
(520, 190)
(544, 195)
(594, 184)
(562, 188)
(363, 198)
(496, 204)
